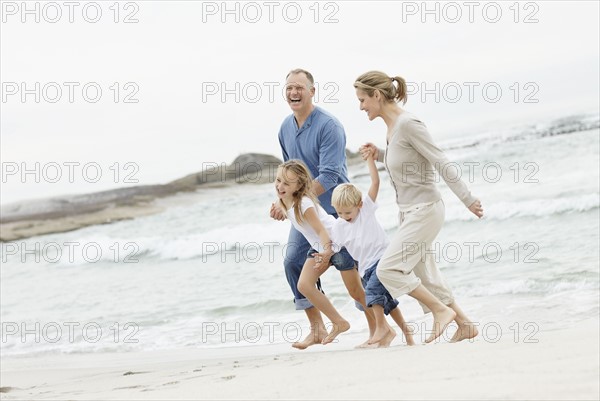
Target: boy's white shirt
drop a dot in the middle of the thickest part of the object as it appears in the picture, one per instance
(364, 238)
(305, 229)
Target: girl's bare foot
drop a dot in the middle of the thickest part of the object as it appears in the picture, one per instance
(314, 337)
(441, 319)
(338, 328)
(464, 331)
(387, 340)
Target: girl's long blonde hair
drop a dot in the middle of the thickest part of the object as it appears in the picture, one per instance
(304, 180)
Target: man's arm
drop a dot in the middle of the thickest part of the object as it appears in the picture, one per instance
(332, 156)
(282, 145)
(317, 188)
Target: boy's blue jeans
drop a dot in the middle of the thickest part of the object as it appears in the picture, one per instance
(376, 293)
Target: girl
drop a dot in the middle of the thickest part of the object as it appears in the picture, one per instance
(293, 185)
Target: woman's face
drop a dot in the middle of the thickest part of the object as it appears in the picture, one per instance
(369, 104)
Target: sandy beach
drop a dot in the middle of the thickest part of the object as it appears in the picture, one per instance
(563, 364)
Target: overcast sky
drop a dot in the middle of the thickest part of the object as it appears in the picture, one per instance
(179, 56)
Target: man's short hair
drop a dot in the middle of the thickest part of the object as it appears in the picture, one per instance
(301, 71)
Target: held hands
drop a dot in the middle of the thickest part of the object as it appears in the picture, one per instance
(369, 150)
(323, 261)
(276, 212)
(476, 208)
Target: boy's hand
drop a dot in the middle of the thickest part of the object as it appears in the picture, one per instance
(367, 150)
(322, 262)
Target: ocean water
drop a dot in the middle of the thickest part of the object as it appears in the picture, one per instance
(208, 271)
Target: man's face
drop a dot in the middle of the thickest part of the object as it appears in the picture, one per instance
(299, 92)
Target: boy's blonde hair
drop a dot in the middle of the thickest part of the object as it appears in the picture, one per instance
(346, 195)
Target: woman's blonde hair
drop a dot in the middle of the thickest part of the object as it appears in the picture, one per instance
(345, 195)
(377, 80)
(304, 180)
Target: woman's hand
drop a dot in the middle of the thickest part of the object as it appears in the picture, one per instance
(367, 150)
(476, 208)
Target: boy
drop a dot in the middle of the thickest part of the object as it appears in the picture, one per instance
(358, 230)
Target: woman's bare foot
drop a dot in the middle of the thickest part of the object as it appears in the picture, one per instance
(464, 331)
(338, 328)
(314, 337)
(441, 319)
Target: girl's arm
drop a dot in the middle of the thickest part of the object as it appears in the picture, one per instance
(321, 259)
(374, 189)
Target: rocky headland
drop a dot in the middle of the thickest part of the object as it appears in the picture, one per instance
(66, 213)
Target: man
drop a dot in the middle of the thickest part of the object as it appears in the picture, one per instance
(318, 139)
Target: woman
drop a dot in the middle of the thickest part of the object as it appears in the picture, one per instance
(407, 267)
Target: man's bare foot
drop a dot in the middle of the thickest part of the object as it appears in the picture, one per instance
(312, 339)
(338, 328)
(465, 331)
(387, 340)
(441, 319)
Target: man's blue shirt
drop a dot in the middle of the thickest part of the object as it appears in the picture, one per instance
(321, 144)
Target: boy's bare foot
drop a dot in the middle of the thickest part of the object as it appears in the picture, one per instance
(312, 339)
(338, 328)
(465, 331)
(441, 319)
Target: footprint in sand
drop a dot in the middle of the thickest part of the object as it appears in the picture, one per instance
(133, 373)
(195, 377)
(128, 387)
